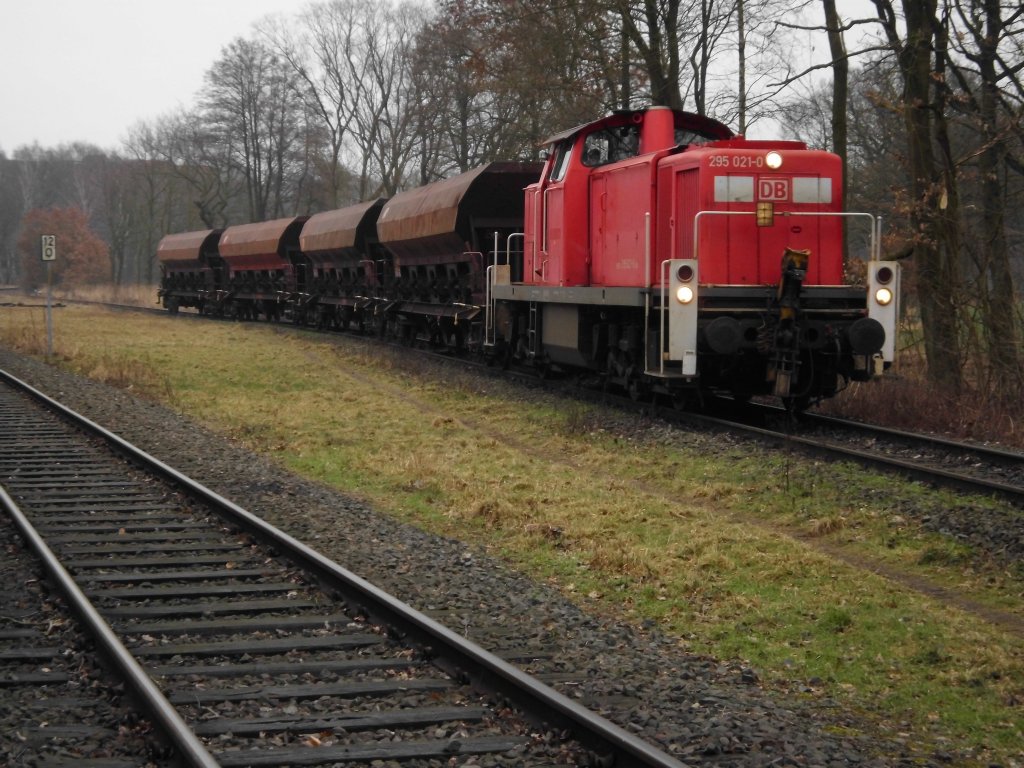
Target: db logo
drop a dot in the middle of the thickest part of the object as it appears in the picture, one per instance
(772, 189)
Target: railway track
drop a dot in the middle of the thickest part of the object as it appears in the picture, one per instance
(246, 647)
(969, 466)
(935, 460)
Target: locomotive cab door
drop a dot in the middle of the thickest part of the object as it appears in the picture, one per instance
(559, 211)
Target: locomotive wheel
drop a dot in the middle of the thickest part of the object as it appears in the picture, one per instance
(637, 389)
(796, 405)
(684, 399)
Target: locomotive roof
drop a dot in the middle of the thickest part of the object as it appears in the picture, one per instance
(263, 237)
(701, 124)
(334, 230)
(186, 245)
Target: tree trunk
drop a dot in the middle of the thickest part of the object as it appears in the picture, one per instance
(659, 50)
(999, 311)
(936, 277)
(840, 92)
(741, 62)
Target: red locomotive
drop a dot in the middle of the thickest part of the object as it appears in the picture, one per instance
(653, 248)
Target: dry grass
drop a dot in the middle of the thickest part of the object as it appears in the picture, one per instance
(131, 295)
(909, 402)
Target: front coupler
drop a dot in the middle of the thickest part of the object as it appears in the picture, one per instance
(784, 341)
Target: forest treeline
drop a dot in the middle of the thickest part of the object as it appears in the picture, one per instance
(346, 101)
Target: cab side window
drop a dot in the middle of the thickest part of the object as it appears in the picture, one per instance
(558, 168)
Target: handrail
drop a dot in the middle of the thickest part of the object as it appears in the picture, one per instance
(490, 333)
(874, 225)
(647, 296)
(508, 247)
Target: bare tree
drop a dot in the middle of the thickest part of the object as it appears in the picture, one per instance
(709, 23)
(190, 150)
(986, 69)
(734, 52)
(157, 198)
(840, 83)
(11, 211)
(250, 100)
(499, 76)
(322, 52)
(388, 119)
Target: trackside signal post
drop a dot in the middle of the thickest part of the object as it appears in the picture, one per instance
(48, 253)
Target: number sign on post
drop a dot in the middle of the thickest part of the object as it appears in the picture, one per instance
(49, 247)
(48, 252)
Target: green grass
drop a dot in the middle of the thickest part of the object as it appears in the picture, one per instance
(807, 571)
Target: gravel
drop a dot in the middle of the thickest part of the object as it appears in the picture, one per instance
(45, 701)
(704, 711)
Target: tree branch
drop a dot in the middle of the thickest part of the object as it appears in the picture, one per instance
(827, 65)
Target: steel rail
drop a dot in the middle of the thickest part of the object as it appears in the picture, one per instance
(447, 648)
(923, 472)
(189, 747)
(1000, 454)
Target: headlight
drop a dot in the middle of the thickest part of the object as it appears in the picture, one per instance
(773, 160)
(883, 296)
(684, 294)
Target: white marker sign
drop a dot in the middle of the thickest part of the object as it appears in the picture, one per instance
(49, 249)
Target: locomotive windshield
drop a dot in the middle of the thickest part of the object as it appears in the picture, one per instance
(610, 145)
(687, 136)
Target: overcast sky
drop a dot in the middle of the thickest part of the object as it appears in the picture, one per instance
(87, 70)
